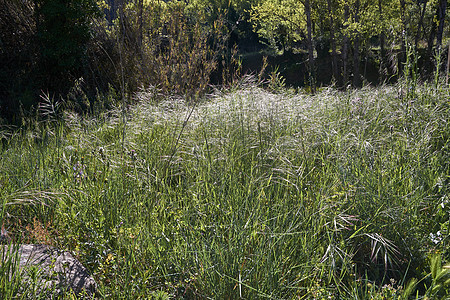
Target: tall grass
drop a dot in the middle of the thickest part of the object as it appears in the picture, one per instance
(258, 195)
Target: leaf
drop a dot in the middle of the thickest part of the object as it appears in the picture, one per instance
(435, 265)
(447, 283)
(442, 274)
(436, 289)
(410, 288)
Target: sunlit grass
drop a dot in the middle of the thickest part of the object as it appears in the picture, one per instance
(248, 194)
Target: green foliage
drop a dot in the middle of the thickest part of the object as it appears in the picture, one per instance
(410, 70)
(63, 30)
(10, 279)
(17, 54)
(44, 49)
(160, 295)
(371, 23)
(280, 23)
(83, 48)
(440, 276)
(285, 22)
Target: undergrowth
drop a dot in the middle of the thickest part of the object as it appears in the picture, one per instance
(248, 194)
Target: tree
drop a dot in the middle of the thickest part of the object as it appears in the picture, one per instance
(280, 24)
(356, 73)
(421, 18)
(63, 33)
(285, 23)
(441, 17)
(17, 55)
(307, 5)
(346, 43)
(140, 21)
(335, 65)
(44, 45)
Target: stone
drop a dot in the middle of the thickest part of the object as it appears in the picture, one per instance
(57, 271)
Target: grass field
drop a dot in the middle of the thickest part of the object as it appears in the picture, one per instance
(248, 194)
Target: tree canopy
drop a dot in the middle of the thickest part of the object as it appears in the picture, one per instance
(54, 45)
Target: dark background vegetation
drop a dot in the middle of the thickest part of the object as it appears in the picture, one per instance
(79, 50)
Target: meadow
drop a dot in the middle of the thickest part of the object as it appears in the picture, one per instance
(244, 193)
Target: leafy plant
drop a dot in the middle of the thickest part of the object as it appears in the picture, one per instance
(440, 279)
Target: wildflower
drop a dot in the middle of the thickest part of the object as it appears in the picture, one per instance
(78, 171)
(436, 238)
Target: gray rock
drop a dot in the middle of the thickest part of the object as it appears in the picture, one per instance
(56, 271)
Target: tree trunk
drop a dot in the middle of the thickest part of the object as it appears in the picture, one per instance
(437, 30)
(121, 5)
(310, 45)
(140, 22)
(356, 73)
(345, 47)
(382, 41)
(112, 13)
(431, 38)
(420, 25)
(441, 16)
(335, 67)
(36, 12)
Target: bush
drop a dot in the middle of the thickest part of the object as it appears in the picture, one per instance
(44, 47)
